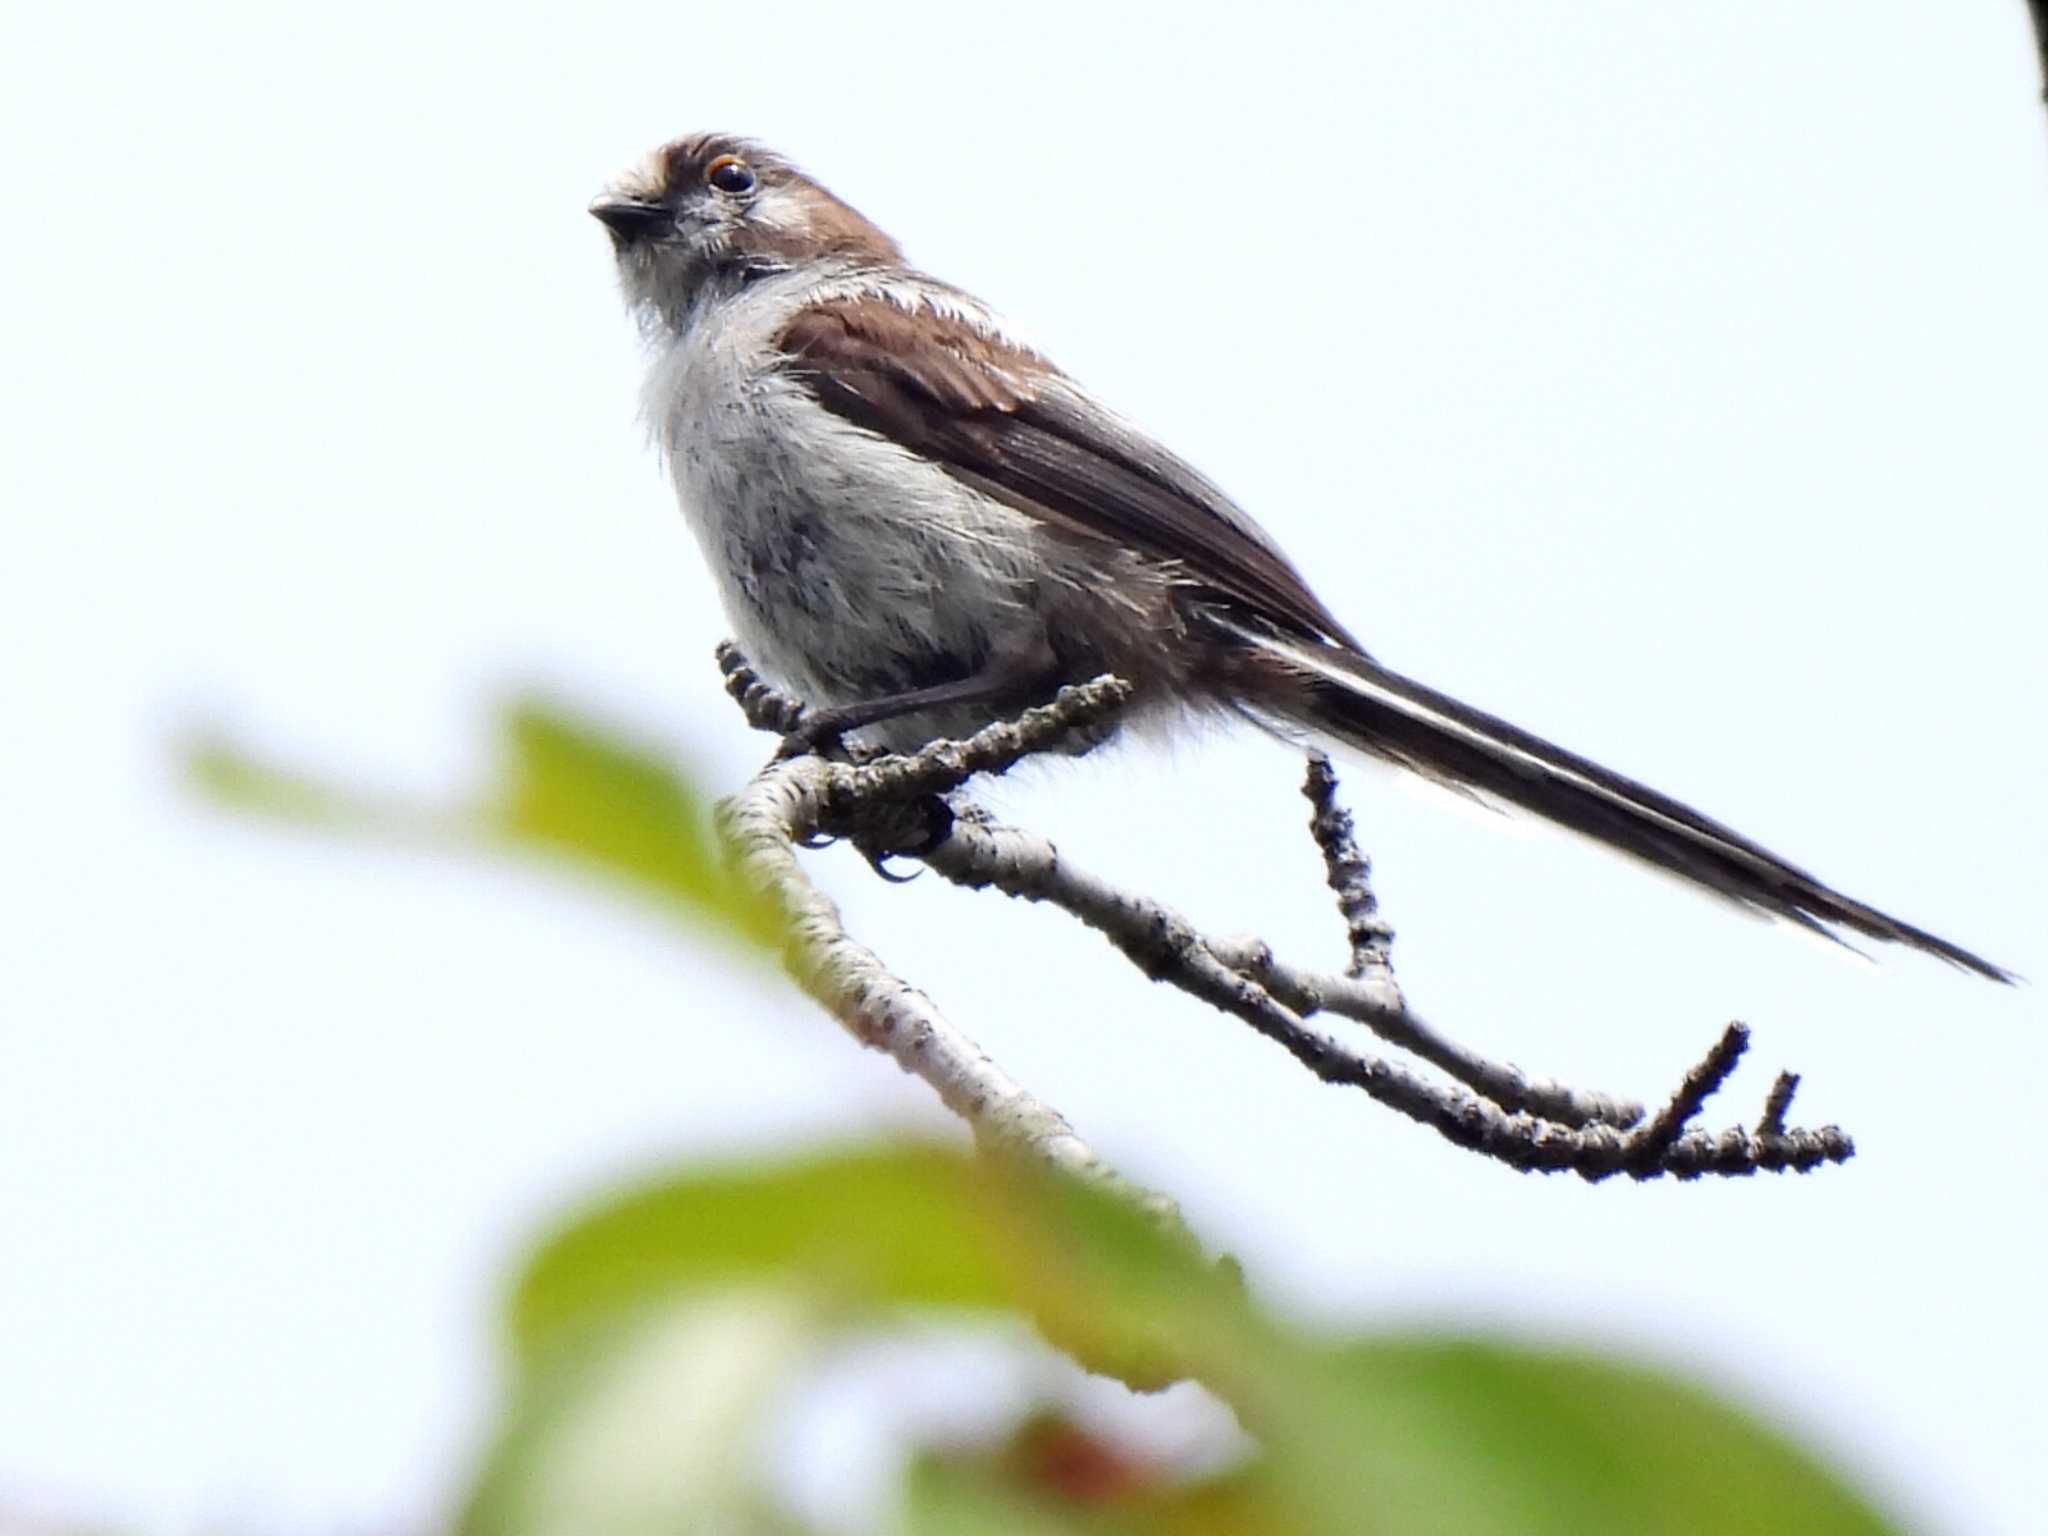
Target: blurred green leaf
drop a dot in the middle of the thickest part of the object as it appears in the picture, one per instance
(1473, 1436)
(568, 784)
(889, 1227)
(1356, 1435)
(564, 786)
(945, 1498)
(942, 1498)
(223, 772)
(645, 1432)
(1051, 1475)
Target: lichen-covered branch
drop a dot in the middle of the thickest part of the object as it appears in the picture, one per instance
(790, 802)
(1349, 873)
(911, 806)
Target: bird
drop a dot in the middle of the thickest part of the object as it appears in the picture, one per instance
(918, 523)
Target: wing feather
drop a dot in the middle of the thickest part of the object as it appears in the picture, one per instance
(1001, 418)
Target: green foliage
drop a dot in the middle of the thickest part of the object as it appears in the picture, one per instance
(904, 1227)
(1355, 1434)
(1019, 1488)
(563, 787)
(652, 1333)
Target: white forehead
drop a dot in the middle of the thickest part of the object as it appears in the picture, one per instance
(645, 178)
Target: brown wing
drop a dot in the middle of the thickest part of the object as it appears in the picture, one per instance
(1002, 419)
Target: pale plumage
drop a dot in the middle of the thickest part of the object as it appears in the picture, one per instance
(918, 522)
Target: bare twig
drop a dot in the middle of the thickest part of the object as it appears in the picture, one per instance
(1166, 947)
(1528, 1124)
(1311, 992)
(1778, 1104)
(1648, 1143)
(1163, 944)
(1350, 875)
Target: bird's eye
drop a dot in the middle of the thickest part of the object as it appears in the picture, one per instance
(729, 173)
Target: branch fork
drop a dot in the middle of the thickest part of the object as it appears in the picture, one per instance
(914, 806)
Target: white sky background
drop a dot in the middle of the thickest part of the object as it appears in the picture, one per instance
(1668, 378)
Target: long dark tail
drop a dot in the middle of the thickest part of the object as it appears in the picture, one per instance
(1366, 706)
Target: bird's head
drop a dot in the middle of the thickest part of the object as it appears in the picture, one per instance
(708, 213)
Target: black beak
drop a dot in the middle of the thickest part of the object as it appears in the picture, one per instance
(629, 218)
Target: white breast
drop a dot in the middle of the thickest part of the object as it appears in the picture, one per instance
(832, 547)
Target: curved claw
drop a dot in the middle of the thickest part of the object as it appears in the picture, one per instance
(938, 826)
(879, 863)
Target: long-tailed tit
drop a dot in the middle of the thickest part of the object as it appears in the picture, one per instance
(917, 522)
